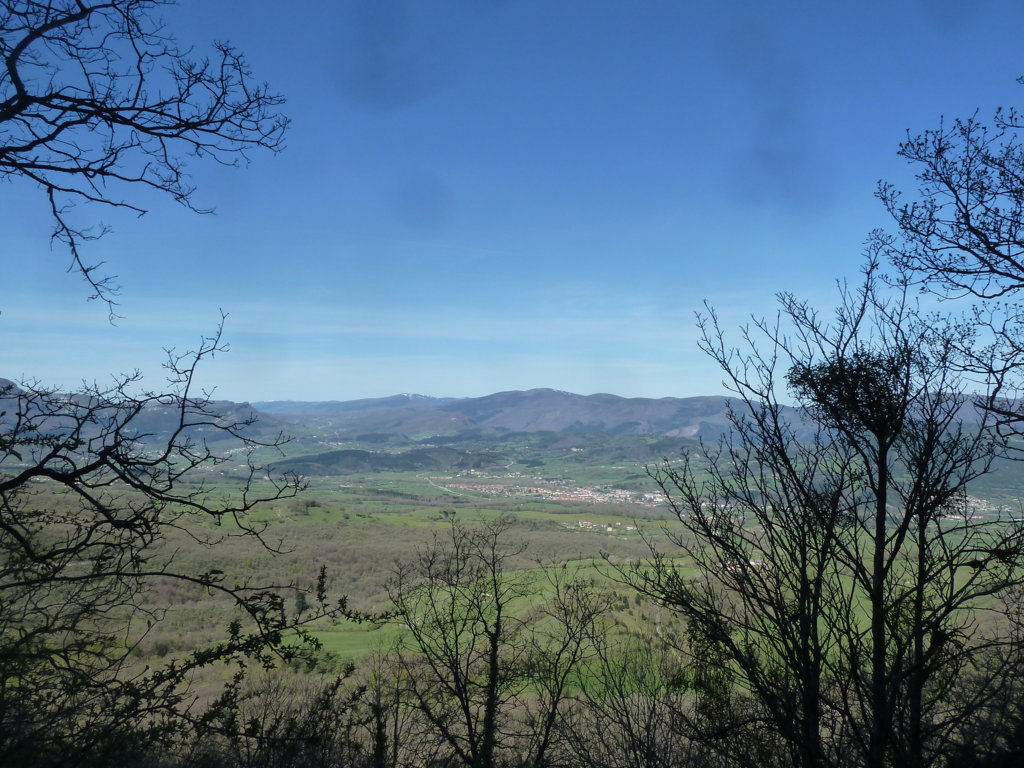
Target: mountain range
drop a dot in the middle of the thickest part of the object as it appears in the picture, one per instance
(534, 410)
(414, 432)
(405, 419)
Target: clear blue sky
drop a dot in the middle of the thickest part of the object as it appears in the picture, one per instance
(486, 195)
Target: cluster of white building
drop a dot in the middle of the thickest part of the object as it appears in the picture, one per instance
(580, 495)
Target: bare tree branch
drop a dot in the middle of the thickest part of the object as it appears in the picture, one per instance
(98, 102)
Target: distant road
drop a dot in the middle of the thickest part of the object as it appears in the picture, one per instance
(441, 487)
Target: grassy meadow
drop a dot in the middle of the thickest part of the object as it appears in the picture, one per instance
(360, 527)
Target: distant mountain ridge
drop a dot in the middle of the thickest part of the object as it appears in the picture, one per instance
(534, 410)
(53, 412)
(416, 417)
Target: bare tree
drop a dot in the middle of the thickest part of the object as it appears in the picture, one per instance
(963, 231)
(281, 721)
(632, 709)
(565, 633)
(960, 234)
(831, 562)
(90, 484)
(100, 106)
(490, 652)
(98, 102)
(455, 600)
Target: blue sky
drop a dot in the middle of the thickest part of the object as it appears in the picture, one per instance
(482, 195)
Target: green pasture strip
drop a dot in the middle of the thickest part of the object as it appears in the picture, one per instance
(352, 643)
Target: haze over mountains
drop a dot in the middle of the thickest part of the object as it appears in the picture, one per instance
(418, 433)
(535, 410)
(415, 433)
(415, 418)
(407, 418)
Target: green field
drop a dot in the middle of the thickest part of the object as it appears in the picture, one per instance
(361, 525)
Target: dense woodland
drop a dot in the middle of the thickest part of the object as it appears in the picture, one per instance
(820, 588)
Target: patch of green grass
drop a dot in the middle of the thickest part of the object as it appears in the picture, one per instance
(353, 643)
